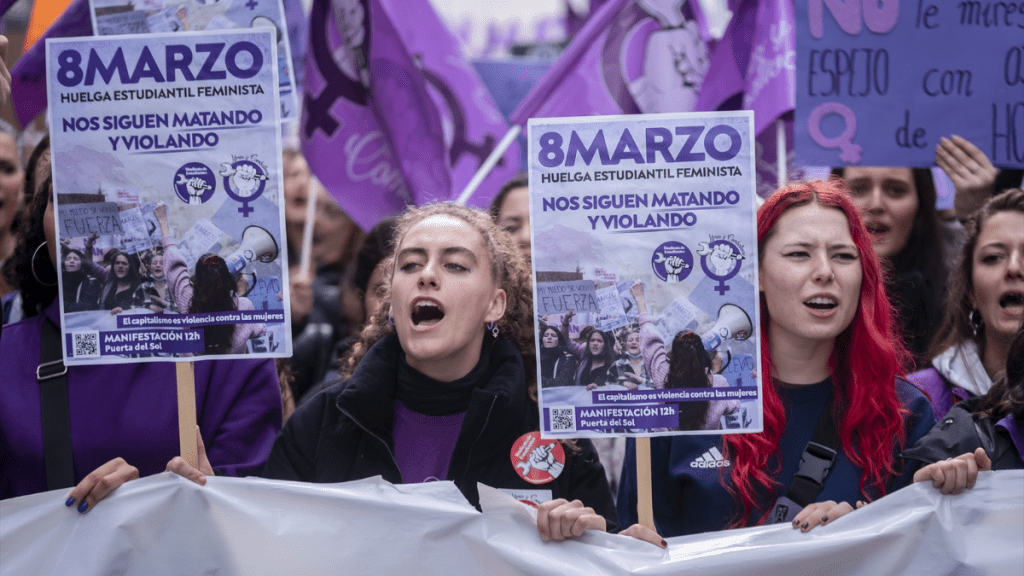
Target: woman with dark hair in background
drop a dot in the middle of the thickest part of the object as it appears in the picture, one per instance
(238, 403)
(12, 182)
(595, 358)
(898, 209)
(688, 367)
(557, 366)
(830, 348)
(81, 290)
(986, 306)
(212, 290)
(36, 172)
(121, 283)
(510, 210)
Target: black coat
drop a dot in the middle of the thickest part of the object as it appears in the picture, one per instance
(960, 432)
(345, 433)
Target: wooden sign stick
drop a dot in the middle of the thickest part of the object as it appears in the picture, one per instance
(187, 413)
(644, 503)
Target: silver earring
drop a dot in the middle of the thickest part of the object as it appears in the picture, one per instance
(493, 328)
(390, 319)
(976, 322)
(32, 265)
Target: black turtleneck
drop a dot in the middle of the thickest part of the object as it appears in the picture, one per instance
(425, 395)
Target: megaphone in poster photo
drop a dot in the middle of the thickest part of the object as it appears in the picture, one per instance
(258, 245)
(733, 323)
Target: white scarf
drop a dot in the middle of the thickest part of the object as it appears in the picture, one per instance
(961, 365)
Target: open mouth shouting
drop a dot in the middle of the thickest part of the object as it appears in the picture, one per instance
(877, 229)
(1012, 302)
(822, 305)
(426, 312)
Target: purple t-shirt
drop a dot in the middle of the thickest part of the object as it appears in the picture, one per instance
(424, 444)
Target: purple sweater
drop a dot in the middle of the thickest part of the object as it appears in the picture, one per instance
(131, 411)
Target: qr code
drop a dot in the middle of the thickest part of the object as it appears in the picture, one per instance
(563, 420)
(87, 344)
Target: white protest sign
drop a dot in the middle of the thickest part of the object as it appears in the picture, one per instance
(182, 126)
(647, 207)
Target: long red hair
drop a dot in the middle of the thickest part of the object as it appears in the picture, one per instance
(866, 360)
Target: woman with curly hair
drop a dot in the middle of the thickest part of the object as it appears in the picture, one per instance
(438, 388)
(830, 349)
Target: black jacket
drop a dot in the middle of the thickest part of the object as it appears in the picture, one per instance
(345, 433)
(960, 432)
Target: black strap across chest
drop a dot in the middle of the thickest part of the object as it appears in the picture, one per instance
(815, 464)
(53, 393)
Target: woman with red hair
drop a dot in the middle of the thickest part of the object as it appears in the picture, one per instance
(835, 361)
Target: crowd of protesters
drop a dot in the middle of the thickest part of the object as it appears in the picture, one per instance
(415, 359)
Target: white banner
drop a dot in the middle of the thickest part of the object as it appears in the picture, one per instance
(166, 525)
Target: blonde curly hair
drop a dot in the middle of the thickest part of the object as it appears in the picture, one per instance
(508, 268)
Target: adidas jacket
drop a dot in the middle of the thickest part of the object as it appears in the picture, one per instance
(689, 474)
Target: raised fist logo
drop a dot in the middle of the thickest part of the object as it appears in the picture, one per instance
(195, 186)
(673, 266)
(244, 178)
(721, 256)
(537, 460)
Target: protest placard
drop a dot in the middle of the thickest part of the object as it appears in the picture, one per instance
(182, 126)
(117, 17)
(647, 209)
(878, 84)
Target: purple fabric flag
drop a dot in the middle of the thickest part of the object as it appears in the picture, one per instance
(730, 58)
(472, 124)
(770, 89)
(5, 5)
(28, 77)
(393, 114)
(629, 58)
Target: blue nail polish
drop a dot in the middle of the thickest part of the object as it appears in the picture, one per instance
(83, 506)
(69, 501)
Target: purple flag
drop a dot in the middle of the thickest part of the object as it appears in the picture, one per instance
(770, 89)
(472, 124)
(729, 59)
(629, 58)
(5, 5)
(28, 77)
(393, 113)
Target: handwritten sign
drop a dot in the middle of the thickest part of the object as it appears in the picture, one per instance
(136, 234)
(80, 220)
(201, 238)
(879, 82)
(561, 297)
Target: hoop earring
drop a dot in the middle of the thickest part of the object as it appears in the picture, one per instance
(32, 265)
(493, 328)
(977, 322)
